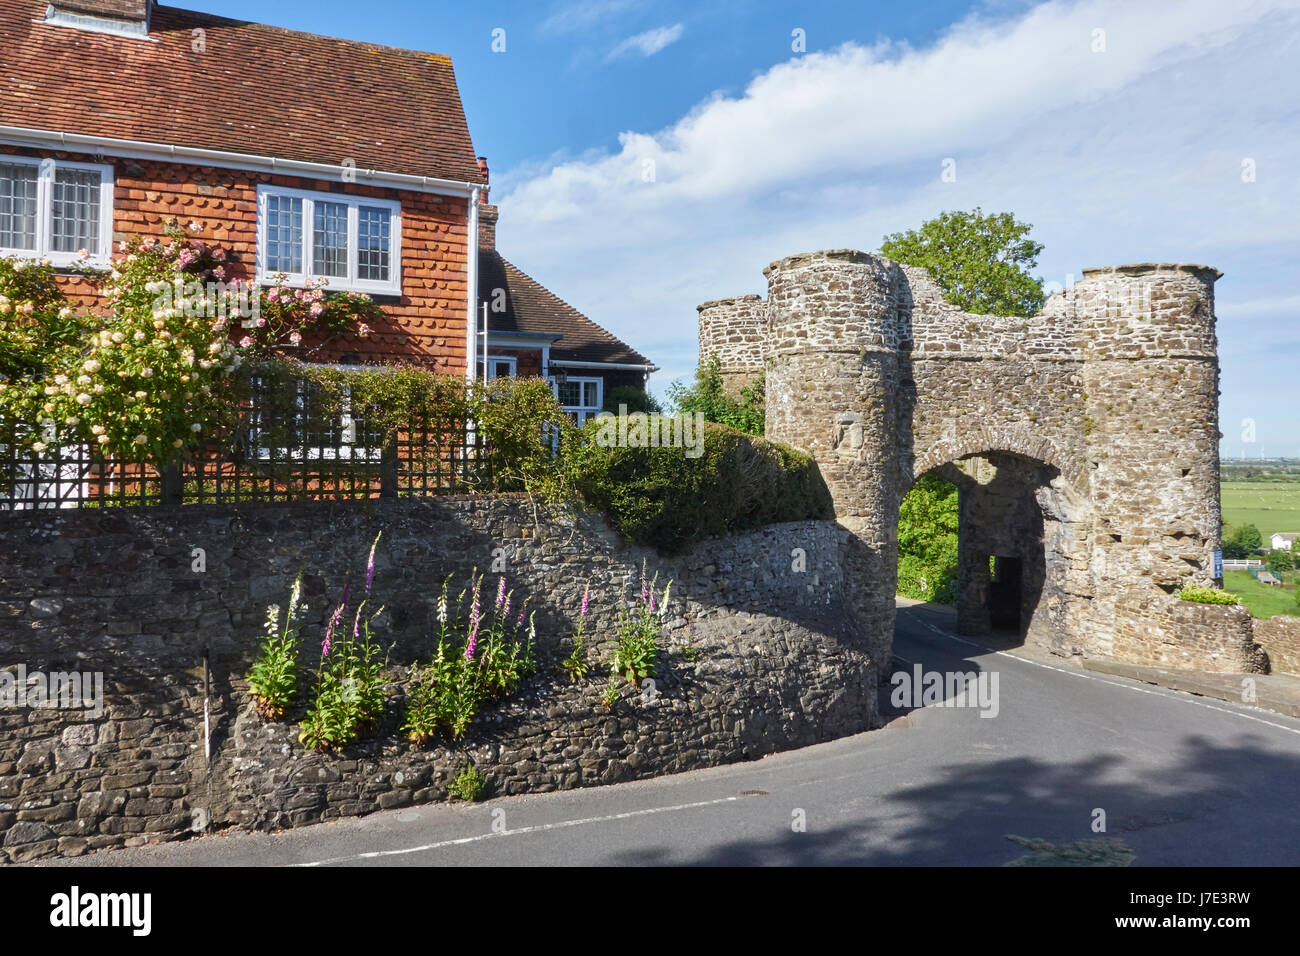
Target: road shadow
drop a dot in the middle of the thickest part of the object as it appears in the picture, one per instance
(1215, 805)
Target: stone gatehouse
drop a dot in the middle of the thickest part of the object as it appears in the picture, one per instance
(1083, 441)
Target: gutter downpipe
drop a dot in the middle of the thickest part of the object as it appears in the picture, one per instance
(471, 292)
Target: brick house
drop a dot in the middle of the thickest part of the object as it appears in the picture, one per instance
(297, 153)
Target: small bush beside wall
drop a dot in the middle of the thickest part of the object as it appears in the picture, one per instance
(666, 499)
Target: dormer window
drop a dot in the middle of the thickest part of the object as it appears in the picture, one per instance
(122, 17)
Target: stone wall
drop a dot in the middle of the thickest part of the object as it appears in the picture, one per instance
(734, 331)
(1100, 414)
(777, 661)
(1280, 639)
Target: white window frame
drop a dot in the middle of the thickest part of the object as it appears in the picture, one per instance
(45, 169)
(582, 412)
(494, 360)
(349, 283)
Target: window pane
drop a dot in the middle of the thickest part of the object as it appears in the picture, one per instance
(17, 206)
(330, 240)
(570, 394)
(283, 234)
(373, 243)
(589, 394)
(74, 212)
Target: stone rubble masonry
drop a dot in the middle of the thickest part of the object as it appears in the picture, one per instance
(1280, 638)
(734, 331)
(780, 661)
(1084, 441)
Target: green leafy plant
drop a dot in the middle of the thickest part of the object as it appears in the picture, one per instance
(496, 654)
(348, 697)
(1203, 595)
(273, 679)
(660, 497)
(575, 665)
(707, 396)
(469, 785)
(610, 697)
(636, 652)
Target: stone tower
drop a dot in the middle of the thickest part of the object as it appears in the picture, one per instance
(1083, 441)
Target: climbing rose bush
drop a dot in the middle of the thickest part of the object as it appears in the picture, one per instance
(153, 378)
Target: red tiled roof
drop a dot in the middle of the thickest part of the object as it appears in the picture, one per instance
(255, 89)
(532, 308)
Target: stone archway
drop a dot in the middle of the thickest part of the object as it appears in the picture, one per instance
(1111, 392)
(1021, 545)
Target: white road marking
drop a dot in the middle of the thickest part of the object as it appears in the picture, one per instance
(1161, 692)
(518, 831)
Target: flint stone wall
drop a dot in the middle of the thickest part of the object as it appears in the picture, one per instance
(778, 661)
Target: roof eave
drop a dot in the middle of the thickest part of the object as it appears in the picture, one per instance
(138, 149)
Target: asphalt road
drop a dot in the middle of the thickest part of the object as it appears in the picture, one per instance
(1182, 781)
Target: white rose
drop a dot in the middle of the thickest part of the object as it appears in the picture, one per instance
(83, 399)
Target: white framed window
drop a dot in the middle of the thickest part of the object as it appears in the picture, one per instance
(54, 210)
(353, 241)
(581, 397)
(502, 366)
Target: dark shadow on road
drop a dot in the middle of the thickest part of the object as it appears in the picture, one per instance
(1238, 800)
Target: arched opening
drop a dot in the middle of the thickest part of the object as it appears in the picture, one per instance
(1003, 537)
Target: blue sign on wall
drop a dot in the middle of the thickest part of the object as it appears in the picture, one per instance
(1218, 565)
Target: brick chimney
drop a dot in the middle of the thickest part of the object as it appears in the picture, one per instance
(487, 226)
(127, 16)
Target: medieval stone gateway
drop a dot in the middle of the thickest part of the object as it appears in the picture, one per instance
(1083, 441)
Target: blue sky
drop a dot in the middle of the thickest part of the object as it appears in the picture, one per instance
(1132, 152)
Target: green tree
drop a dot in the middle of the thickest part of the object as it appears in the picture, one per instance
(927, 541)
(981, 262)
(707, 396)
(1248, 536)
(1280, 561)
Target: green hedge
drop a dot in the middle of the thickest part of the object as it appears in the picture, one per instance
(1203, 595)
(667, 499)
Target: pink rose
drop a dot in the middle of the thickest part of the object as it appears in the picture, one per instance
(245, 342)
(317, 308)
(295, 338)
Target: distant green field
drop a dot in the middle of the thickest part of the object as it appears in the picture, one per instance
(1262, 600)
(1269, 506)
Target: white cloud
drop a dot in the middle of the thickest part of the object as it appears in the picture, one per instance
(1132, 154)
(648, 43)
(585, 14)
